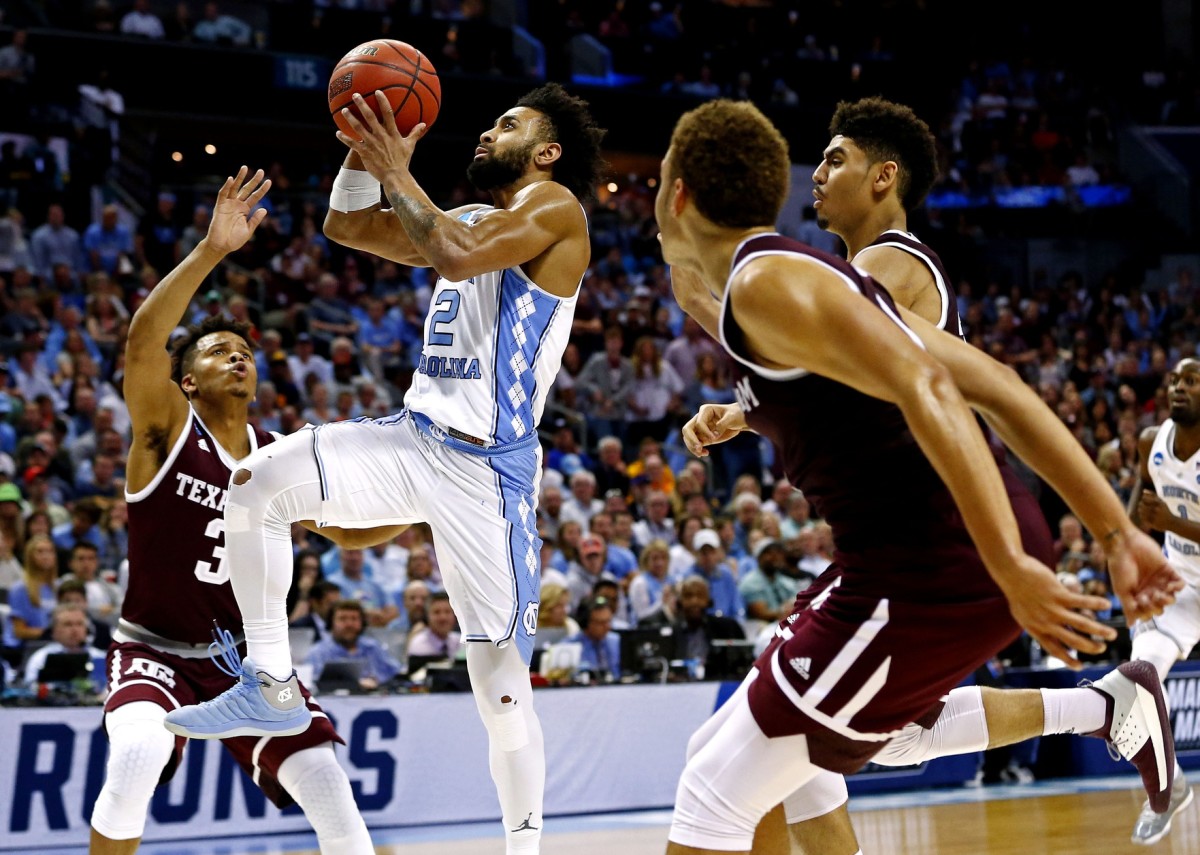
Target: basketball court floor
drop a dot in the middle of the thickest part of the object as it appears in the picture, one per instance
(1082, 816)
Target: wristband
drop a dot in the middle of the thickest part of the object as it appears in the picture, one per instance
(353, 190)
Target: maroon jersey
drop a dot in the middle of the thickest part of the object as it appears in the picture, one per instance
(907, 242)
(856, 461)
(178, 576)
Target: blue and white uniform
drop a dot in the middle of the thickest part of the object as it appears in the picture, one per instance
(464, 455)
(1177, 483)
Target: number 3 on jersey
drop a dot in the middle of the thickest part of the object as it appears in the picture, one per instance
(204, 569)
(447, 311)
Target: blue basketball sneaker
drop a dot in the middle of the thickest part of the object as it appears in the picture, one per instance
(257, 705)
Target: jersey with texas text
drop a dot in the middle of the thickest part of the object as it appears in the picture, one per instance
(178, 576)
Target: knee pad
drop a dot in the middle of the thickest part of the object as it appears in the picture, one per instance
(500, 683)
(319, 785)
(139, 748)
(823, 794)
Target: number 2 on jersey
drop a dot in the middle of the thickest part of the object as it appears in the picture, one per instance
(204, 569)
(447, 311)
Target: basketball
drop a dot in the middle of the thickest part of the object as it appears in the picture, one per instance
(403, 73)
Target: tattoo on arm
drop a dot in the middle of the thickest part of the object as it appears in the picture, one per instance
(418, 219)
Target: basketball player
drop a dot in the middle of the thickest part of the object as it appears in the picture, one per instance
(879, 165)
(189, 410)
(463, 455)
(921, 591)
(1166, 456)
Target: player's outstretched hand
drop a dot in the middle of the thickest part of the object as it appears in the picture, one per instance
(714, 423)
(1056, 617)
(383, 149)
(1140, 574)
(235, 217)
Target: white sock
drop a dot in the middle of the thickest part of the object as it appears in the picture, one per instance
(1072, 711)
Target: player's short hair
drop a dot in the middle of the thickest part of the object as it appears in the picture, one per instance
(183, 351)
(886, 130)
(570, 124)
(734, 162)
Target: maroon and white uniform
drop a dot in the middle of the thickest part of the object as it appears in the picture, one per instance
(178, 586)
(907, 608)
(908, 242)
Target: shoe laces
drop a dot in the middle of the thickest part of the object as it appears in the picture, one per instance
(1113, 751)
(224, 654)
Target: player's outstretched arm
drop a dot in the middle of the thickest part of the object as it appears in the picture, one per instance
(1140, 575)
(827, 332)
(157, 405)
(544, 216)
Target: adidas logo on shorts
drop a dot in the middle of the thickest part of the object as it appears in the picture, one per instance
(801, 664)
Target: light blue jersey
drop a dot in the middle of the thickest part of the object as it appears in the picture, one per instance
(493, 346)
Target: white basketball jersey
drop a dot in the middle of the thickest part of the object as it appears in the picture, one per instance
(1177, 483)
(493, 345)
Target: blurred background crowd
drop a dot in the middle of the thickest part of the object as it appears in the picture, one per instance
(1064, 212)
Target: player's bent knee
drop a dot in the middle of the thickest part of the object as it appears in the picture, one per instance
(822, 795)
(706, 819)
(139, 748)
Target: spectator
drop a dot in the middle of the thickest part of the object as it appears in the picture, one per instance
(304, 361)
(651, 586)
(109, 243)
(582, 504)
(103, 597)
(84, 525)
(68, 633)
(610, 469)
(414, 608)
(619, 561)
(684, 353)
(140, 21)
(711, 564)
(329, 316)
(440, 637)
(318, 608)
(582, 577)
(54, 242)
(217, 27)
(767, 591)
(566, 553)
(71, 592)
(549, 512)
(157, 240)
(32, 600)
(306, 572)
(604, 386)
(17, 66)
(346, 641)
(565, 455)
(378, 607)
(657, 524)
(697, 624)
(554, 615)
(656, 394)
(601, 654)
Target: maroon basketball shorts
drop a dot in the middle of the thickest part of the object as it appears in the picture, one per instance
(851, 670)
(137, 672)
